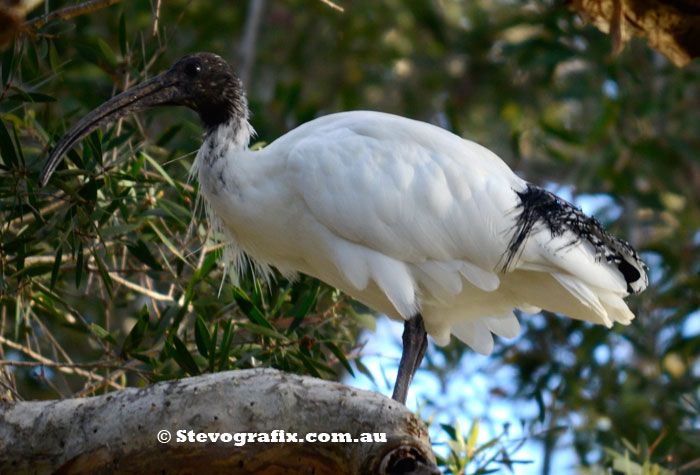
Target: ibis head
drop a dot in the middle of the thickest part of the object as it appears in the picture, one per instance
(204, 82)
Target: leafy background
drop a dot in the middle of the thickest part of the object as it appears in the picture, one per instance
(109, 277)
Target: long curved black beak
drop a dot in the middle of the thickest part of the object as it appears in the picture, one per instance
(161, 90)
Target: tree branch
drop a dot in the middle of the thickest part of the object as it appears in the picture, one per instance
(673, 28)
(117, 431)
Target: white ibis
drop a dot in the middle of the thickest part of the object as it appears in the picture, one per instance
(433, 230)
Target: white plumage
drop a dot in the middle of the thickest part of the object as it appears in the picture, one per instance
(408, 218)
(405, 217)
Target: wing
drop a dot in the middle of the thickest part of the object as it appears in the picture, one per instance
(404, 188)
(410, 194)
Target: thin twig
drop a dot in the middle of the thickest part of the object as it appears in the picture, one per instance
(333, 5)
(616, 26)
(107, 380)
(689, 465)
(57, 203)
(50, 383)
(154, 303)
(157, 17)
(92, 388)
(33, 260)
(48, 362)
(53, 364)
(77, 315)
(7, 386)
(69, 12)
(136, 287)
(49, 335)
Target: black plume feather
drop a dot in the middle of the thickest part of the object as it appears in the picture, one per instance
(539, 207)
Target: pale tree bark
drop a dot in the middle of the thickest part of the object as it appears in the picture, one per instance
(117, 432)
(671, 27)
(12, 13)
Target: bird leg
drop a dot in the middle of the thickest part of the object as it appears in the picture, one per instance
(415, 342)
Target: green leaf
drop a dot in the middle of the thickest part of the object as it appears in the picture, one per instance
(341, 357)
(9, 61)
(32, 270)
(122, 34)
(159, 169)
(472, 437)
(202, 336)
(106, 51)
(103, 334)
(141, 251)
(104, 273)
(79, 266)
(282, 297)
(54, 60)
(23, 96)
(212, 347)
(209, 263)
(258, 296)
(176, 211)
(315, 367)
(20, 153)
(19, 96)
(102, 215)
(137, 165)
(249, 309)
(7, 148)
(135, 336)
(43, 48)
(487, 445)
(304, 307)
(89, 193)
(76, 158)
(7, 66)
(94, 141)
(169, 133)
(56, 266)
(182, 356)
(364, 370)
(450, 431)
(225, 349)
(111, 231)
(168, 243)
(366, 320)
(265, 331)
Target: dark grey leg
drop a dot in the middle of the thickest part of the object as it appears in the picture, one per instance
(415, 342)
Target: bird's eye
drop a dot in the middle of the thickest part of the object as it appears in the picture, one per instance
(192, 69)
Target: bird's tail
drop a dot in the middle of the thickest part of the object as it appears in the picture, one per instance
(541, 209)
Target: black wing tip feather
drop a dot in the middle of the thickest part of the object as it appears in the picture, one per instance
(539, 207)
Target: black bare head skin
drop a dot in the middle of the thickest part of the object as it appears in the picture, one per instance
(203, 82)
(208, 85)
